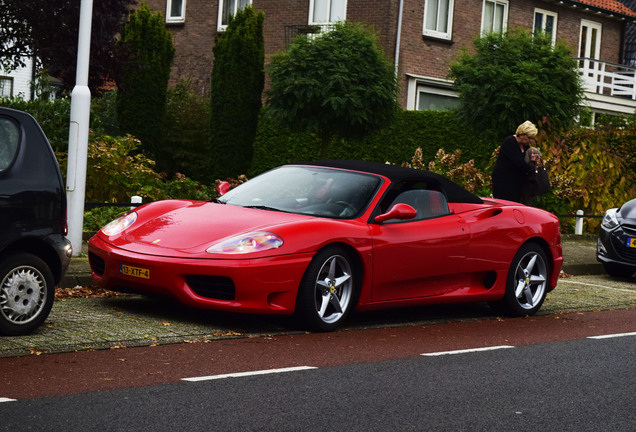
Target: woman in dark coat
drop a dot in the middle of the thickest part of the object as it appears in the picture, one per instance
(511, 170)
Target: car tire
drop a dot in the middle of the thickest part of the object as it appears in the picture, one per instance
(618, 271)
(27, 292)
(527, 282)
(327, 290)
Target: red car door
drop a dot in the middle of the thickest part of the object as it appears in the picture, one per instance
(419, 258)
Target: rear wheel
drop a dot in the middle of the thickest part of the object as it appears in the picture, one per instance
(326, 292)
(27, 292)
(526, 286)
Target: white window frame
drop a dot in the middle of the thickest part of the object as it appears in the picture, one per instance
(428, 5)
(220, 25)
(6, 86)
(595, 51)
(424, 89)
(545, 13)
(311, 12)
(504, 24)
(418, 84)
(175, 18)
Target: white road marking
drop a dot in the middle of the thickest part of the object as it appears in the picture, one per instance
(4, 399)
(596, 286)
(251, 373)
(612, 335)
(441, 353)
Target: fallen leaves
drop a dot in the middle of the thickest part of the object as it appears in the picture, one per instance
(85, 292)
(35, 351)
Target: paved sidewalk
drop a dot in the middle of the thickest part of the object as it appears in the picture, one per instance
(79, 324)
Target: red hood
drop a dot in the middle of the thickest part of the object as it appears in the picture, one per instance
(199, 225)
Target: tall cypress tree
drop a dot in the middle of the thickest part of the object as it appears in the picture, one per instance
(238, 78)
(148, 50)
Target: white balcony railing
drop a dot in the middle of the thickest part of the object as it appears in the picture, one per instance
(608, 78)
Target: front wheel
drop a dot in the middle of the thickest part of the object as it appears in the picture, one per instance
(27, 292)
(526, 286)
(326, 291)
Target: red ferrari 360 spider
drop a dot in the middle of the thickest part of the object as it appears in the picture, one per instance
(319, 239)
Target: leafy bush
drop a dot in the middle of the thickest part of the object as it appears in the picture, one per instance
(187, 135)
(104, 113)
(53, 116)
(516, 76)
(467, 174)
(589, 170)
(116, 171)
(340, 84)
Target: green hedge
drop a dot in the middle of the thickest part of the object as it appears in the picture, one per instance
(276, 145)
(428, 130)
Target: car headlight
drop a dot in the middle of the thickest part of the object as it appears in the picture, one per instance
(257, 241)
(609, 220)
(120, 224)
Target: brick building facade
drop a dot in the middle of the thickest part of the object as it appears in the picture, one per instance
(421, 47)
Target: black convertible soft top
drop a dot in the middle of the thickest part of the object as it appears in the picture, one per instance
(397, 174)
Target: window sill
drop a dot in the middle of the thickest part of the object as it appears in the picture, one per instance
(180, 23)
(436, 39)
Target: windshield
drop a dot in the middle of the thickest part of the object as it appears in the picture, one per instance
(307, 190)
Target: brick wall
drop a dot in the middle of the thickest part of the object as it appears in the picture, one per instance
(418, 55)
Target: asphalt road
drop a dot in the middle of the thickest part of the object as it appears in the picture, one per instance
(80, 372)
(540, 373)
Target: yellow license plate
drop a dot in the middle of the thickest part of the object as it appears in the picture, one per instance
(138, 272)
(631, 242)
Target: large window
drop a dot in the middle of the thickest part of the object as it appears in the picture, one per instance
(438, 18)
(228, 8)
(546, 22)
(427, 93)
(495, 16)
(327, 11)
(175, 11)
(436, 99)
(6, 87)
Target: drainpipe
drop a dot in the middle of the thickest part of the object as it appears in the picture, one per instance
(398, 38)
(33, 77)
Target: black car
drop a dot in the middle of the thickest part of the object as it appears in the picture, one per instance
(616, 247)
(34, 252)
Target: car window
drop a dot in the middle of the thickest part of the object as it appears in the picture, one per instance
(313, 191)
(428, 202)
(9, 138)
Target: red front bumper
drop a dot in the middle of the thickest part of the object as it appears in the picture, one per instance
(264, 285)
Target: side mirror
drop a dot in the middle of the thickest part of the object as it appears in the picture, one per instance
(222, 188)
(398, 211)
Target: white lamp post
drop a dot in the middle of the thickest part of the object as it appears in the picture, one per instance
(78, 131)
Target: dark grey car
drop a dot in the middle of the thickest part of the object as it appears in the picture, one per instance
(34, 252)
(617, 240)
